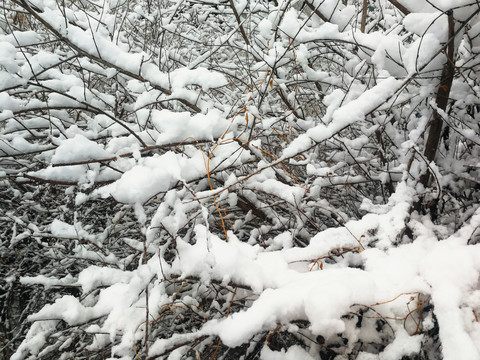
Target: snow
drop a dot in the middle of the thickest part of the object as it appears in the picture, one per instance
(225, 260)
(160, 173)
(330, 293)
(353, 111)
(178, 126)
(35, 339)
(67, 308)
(265, 29)
(292, 353)
(421, 23)
(78, 149)
(321, 297)
(148, 178)
(21, 38)
(282, 241)
(416, 6)
(160, 230)
(403, 345)
(48, 282)
(418, 54)
(7, 57)
(71, 174)
(180, 78)
(63, 230)
(38, 62)
(283, 191)
(19, 145)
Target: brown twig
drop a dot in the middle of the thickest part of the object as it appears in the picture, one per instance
(239, 21)
(364, 16)
(316, 11)
(61, 182)
(400, 7)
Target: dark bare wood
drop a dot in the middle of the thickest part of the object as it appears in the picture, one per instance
(239, 21)
(364, 16)
(443, 94)
(316, 11)
(400, 7)
(436, 123)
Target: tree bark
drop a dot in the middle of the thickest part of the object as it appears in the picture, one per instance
(436, 124)
(443, 94)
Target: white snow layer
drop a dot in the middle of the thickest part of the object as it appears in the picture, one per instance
(353, 111)
(151, 176)
(288, 286)
(446, 270)
(79, 148)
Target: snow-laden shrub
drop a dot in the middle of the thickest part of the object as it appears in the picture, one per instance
(239, 180)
